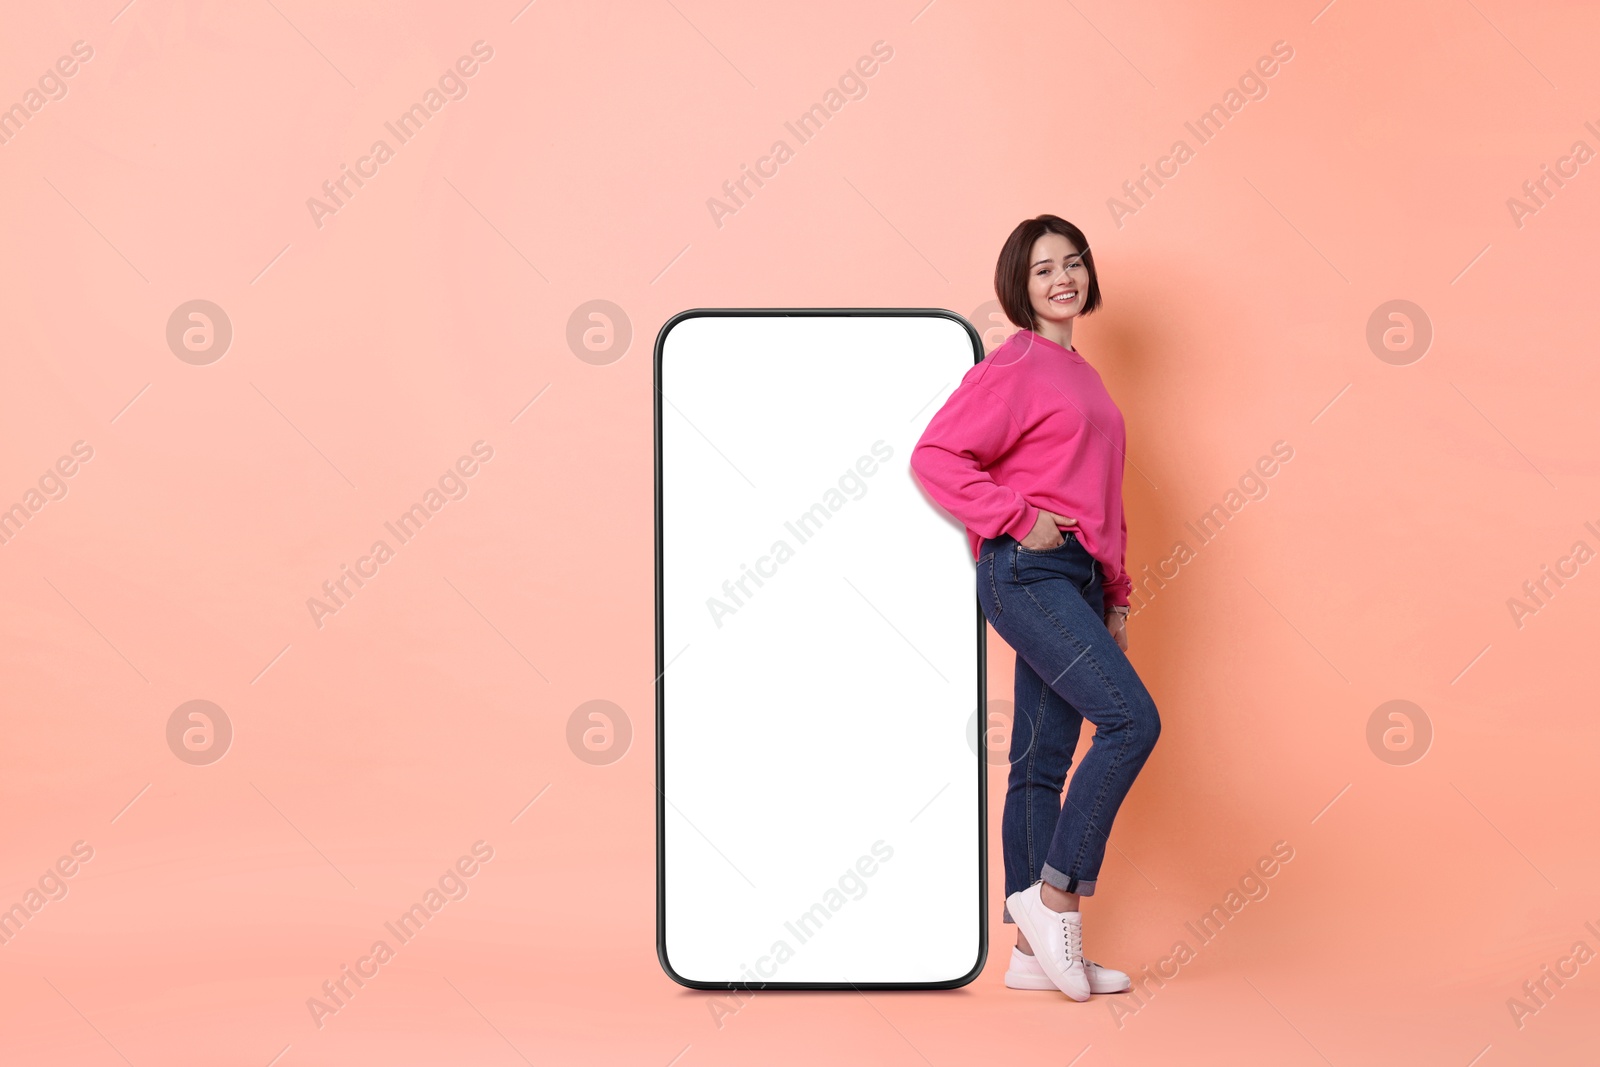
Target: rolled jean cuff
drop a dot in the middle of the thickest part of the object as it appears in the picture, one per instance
(1066, 883)
(1060, 881)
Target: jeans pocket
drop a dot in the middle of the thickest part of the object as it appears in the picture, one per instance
(1067, 538)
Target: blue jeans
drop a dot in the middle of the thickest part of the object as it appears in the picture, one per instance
(1048, 605)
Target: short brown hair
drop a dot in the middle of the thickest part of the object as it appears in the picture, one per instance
(1011, 271)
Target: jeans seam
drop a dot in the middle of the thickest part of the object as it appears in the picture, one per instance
(1027, 791)
(1121, 752)
(1027, 807)
(1119, 757)
(1033, 750)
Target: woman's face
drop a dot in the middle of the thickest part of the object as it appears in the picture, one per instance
(1058, 283)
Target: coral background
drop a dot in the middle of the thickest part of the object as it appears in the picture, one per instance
(446, 303)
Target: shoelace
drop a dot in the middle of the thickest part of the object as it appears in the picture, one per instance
(1072, 933)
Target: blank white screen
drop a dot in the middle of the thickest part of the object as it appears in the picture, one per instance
(831, 707)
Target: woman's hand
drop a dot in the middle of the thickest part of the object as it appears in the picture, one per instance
(1044, 534)
(1117, 623)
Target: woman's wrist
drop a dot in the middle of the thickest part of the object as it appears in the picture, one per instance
(1119, 609)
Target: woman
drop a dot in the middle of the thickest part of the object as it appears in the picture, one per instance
(1028, 454)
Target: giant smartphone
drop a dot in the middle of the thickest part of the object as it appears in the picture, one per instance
(819, 657)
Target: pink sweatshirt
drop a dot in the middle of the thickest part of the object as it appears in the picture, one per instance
(1031, 427)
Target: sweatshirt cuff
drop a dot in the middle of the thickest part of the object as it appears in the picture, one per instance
(1023, 526)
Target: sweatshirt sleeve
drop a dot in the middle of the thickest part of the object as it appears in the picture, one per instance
(1117, 592)
(971, 430)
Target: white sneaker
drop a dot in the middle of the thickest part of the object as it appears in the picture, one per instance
(1056, 938)
(1025, 973)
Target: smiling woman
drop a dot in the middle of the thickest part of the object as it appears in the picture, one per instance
(1028, 453)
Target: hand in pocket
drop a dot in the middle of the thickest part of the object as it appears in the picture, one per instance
(1044, 534)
